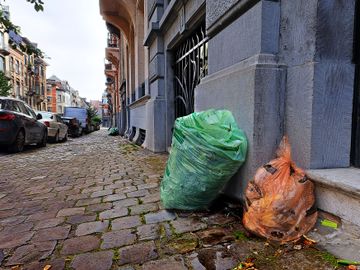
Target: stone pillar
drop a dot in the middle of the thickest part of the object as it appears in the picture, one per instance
(156, 106)
(246, 77)
(317, 45)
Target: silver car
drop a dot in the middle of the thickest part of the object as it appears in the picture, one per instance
(57, 129)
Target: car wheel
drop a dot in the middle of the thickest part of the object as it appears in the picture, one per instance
(43, 141)
(19, 143)
(57, 137)
(65, 137)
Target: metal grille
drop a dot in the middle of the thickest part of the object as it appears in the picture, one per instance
(191, 64)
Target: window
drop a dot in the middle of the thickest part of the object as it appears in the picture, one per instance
(30, 111)
(12, 64)
(17, 89)
(17, 67)
(2, 40)
(2, 64)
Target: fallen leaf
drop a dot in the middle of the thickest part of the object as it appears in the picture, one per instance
(47, 267)
(297, 247)
(352, 267)
(16, 267)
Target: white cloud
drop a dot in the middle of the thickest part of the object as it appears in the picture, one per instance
(73, 34)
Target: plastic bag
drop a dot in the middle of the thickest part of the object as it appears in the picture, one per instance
(114, 131)
(207, 149)
(280, 199)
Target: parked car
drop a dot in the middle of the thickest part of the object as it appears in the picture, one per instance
(57, 129)
(74, 126)
(19, 125)
(81, 115)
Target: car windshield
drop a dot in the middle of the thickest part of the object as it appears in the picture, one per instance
(46, 115)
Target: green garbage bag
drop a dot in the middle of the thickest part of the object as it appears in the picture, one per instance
(207, 149)
(113, 132)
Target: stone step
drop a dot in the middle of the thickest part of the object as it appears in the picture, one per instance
(338, 192)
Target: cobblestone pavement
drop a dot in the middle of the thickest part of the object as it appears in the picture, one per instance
(93, 203)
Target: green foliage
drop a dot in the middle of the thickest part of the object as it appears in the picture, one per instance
(91, 113)
(96, 120)
(5, 86)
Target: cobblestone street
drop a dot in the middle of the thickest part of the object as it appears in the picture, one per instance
(93, 203)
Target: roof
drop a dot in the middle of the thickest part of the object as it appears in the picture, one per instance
(54, 78)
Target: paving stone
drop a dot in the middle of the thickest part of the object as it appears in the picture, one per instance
(49, 223)
(219, 219)
(56, 264)
(80, 244)
(92, 227)
(42, 216)
(9, 213)
(117, 239)
(148, 232)
(125, 222)
(125, 203)
(29, 253)
(173, 263)
(101, 193)
(113, 213)
(10, 240)
(24, 227)
(138, 253)
(143, 208)
(148, 186)
(160, 216)
(56, 233)
(99, 207)
(136, 194)
(93, 261)
(12, 220)
(76, 197)
(92, 189)
(71, 212)
(187, 225)
(114, 197)
(86, 202)
(126, 189)
(80, 219)
(151, 198)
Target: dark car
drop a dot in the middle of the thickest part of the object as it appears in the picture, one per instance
(19, 125)
(74, 126)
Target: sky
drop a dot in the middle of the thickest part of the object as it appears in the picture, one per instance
(73, 34)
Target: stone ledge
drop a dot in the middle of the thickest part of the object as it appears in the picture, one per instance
(139, 102)
(346, 180)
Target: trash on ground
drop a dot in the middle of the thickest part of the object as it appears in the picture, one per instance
(280, 199)
(207, 150)
(329, 223)
(347, 262)
(113, 131)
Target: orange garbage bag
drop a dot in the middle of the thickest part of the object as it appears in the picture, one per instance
(280, 201)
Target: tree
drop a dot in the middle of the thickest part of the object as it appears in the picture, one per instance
(9, 26)
(5, 86)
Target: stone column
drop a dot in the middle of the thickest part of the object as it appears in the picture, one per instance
(156, 106)
(246, 77)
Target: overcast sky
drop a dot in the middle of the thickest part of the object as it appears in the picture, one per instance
(73, 34)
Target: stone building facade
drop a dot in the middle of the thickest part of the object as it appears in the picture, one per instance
(281, 67)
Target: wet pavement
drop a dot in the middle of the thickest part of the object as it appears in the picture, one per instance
(94, 203)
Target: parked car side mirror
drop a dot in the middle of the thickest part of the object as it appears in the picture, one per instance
(38, 116)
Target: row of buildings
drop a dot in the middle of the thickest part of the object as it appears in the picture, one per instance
(26, 72)
(27, 75)
(281, 67)
(60, 95)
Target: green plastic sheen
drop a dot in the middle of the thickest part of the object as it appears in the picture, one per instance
(207, 150)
